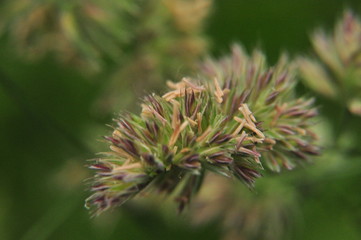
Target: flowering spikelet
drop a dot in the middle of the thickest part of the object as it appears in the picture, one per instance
(249, 85)
(222, 122)
(336, 73)
(176, 138)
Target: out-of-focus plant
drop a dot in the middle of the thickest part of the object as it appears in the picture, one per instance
(168, 44)
(237, 110)
(336, 72)
(141, 36)
(85, 33)
(267, 213)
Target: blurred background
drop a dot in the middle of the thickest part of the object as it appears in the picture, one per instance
(68, 67)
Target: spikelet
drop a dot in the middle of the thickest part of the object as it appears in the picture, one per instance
(246, 84)
(169, 147)
(236, 112)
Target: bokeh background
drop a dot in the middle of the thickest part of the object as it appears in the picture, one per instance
(54, 110)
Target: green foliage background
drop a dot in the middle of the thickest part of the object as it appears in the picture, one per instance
(49, 126)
